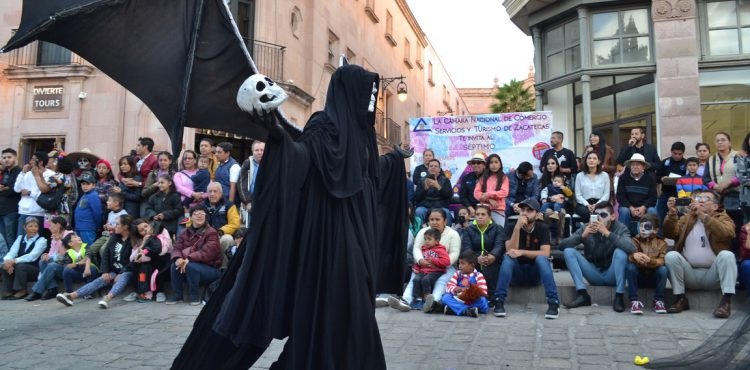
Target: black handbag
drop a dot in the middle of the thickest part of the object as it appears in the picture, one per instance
(51, 200)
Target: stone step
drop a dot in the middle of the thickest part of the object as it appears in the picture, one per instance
(703, 300)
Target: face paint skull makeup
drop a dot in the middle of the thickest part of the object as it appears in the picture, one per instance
(260, 95)
(646, 229)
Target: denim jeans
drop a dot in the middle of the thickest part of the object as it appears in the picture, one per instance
(437, 290)
(98, 283)
(656, 279)
(581, 268)
(744, 274)
(195, 274)
(627, 220)
(50, 272)
(515, 273)
(9, 227)
(552, 205)
(661, 205)
(75, 275)
(421, 212)
(21, 221)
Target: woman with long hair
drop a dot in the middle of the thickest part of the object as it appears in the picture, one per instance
(127, 184)
(702, 151)
(493, 187)
(592, 186)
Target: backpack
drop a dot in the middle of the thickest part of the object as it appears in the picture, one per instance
(52, 199)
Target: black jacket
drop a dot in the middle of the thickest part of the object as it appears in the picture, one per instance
(168, 204)
(632, 192)
(599, 250)
(466, 190)
(113, 261)
(434, 198)
(494, 239)
(648, 151)
(8, 198)
(132, 197)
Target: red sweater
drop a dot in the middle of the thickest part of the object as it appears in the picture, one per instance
(148, 164)
(439, 257)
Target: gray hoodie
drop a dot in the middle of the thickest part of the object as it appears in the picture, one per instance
(599, 250)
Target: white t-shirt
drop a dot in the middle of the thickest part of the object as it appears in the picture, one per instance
(112, 217)
(698, 250)
(234, 173)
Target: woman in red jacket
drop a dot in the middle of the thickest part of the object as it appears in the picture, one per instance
(196, 257)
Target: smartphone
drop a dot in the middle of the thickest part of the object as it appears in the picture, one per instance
(682, 201)
(594, 218)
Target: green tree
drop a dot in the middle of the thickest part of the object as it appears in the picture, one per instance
(513, 97)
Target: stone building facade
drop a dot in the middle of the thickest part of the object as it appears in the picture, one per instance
(48, 94)
(479, 99)
(679, 68)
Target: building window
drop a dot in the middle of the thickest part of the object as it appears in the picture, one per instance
(350, 56)
(563, 49)
(418, 59)
(333, 50)
(295, 21)
(407, 53)
(370, 11)
(725, 104)
(50, 54)
(389, 29)
(621, 37)
(728, 27)
(429, 74)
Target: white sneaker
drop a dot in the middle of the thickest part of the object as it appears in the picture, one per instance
(131, 297)
(399, 304)
(161, 297)
(104, 303)
(64, 298)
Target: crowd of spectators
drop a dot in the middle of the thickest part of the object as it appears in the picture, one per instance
(149, 222)
(638, 222)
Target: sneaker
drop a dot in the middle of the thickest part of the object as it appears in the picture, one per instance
(499, 310)
(104, 303)
(398, 303)
(143, 298)
(472, 312)
(417, 304)
(428, 304)
(65, 299)
(447, 310)
(659, 307)
(174, 300)
(636, 307)
(196, 302)
(131, 297)
(161, 297)
(553, 311)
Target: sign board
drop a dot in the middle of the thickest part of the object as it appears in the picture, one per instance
(516, 137)
(47, 98)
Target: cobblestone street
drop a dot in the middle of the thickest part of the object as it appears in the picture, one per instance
(46, 335)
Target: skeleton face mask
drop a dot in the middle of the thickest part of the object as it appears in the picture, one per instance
(373, 98)
(260, 95)
(646, 229)
(83, 163)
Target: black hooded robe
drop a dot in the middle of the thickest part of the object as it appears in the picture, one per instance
(329, 229)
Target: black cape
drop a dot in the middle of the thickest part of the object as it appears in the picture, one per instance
(328, 233)
(185, 59)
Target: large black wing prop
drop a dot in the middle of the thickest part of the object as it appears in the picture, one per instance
(184, 59)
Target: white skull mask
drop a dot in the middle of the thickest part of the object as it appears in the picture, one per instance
(259, 94)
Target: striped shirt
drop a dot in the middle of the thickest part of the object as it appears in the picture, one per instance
(462, 280)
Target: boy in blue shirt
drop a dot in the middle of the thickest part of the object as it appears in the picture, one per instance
(88, 214)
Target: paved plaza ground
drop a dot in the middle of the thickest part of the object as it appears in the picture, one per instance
(47, 335)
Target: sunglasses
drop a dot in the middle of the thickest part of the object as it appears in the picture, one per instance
(476, 163)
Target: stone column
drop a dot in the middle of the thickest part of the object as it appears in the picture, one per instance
(585, 42)
(536, 35)
(586, 103)
(678, 107)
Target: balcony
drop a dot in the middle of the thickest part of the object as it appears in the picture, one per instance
(268, 57)
(387, 130)
(45, 60)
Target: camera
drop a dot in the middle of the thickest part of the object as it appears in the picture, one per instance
(461, 219)
(682, 202)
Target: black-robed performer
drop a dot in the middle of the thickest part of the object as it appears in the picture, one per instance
(328, 233)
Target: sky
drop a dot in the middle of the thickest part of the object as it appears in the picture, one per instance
(475, 39)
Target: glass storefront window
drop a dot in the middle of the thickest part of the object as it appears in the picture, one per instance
(725, 104)
(728, 27)
(621, 37)
(635, 102)
(602, 110)
(562, 49)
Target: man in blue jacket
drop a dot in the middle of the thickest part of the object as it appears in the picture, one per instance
(524, 184)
